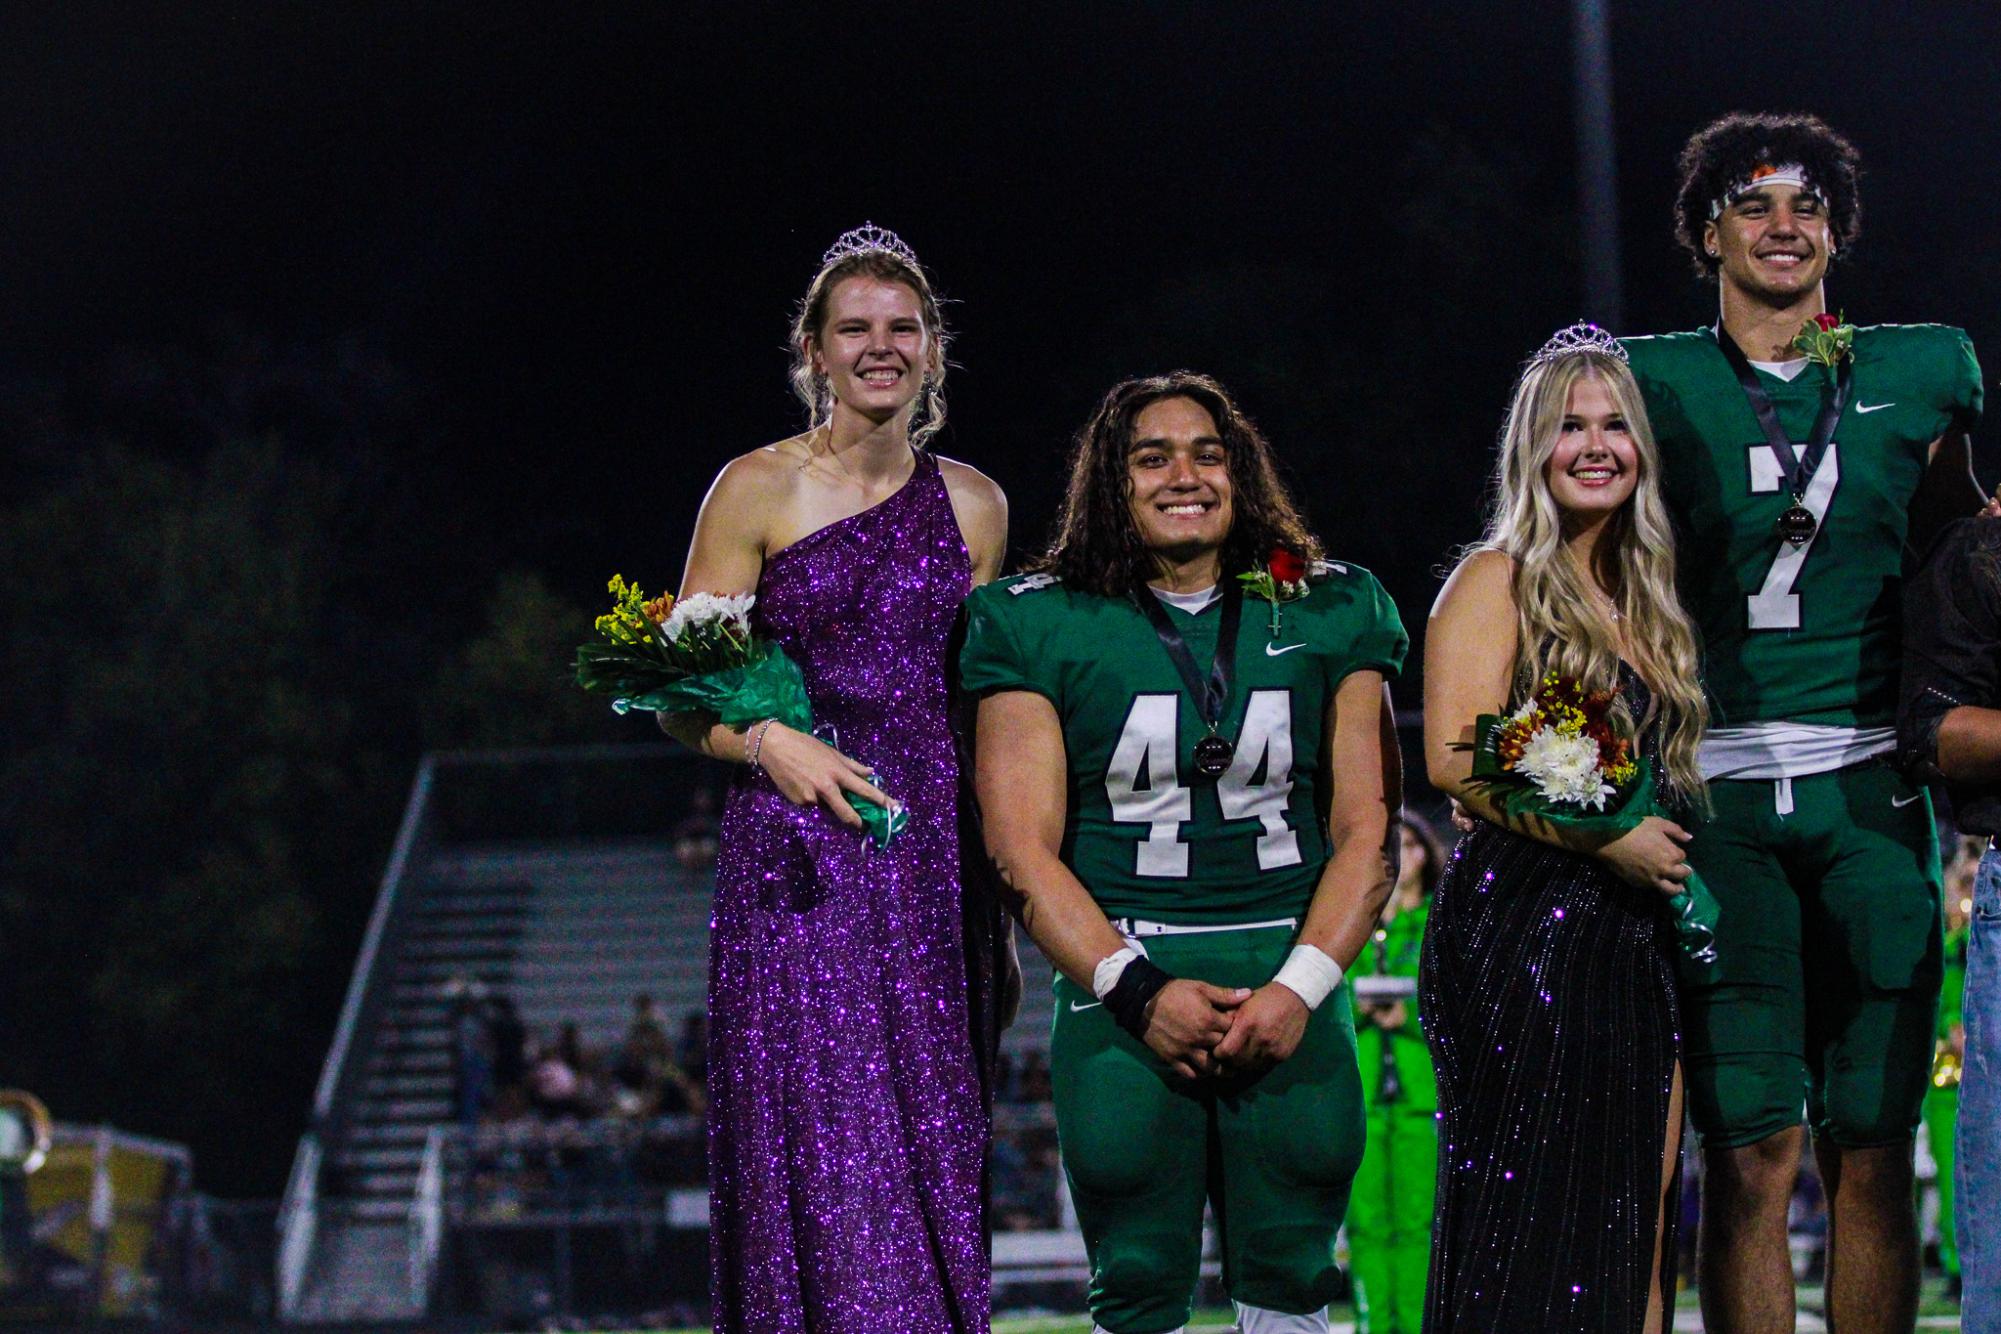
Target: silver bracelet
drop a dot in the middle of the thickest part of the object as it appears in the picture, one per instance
(757, 743)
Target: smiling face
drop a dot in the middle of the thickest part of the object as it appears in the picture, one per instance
(1773, 243)
(1410, 869)
(872, 347)
(1595, 464)
(1178, 477)
(1414, 853)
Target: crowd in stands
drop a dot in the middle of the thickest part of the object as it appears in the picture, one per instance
(507, 1084)
(695, 836)
(501, 1078)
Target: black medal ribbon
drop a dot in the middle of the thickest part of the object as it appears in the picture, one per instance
(1797, 525)
(1213, 753)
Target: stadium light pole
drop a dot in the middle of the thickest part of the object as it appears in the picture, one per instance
(1597, 168)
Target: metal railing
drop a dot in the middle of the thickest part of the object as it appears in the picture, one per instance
(335, 1073)
(604, 792)
(550, 1188)
(299, 1214)
(298, 1226)
(533, 1173)
(427, 1218)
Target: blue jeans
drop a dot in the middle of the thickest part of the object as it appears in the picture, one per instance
(1977, 1174)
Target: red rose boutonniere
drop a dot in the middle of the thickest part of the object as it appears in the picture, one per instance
(1827, 340)
(1283, 579)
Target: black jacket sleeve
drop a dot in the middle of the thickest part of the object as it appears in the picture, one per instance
(1952, 644)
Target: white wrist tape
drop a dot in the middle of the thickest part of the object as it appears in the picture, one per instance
(1106, 975)
(1310, 975)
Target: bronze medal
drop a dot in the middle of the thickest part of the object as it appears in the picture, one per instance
(1213, 755)
(1797, 526)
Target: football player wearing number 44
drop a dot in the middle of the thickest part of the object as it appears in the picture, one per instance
(1801, 456)
(1187, 771)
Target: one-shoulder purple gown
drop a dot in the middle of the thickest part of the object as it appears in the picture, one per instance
(847, 1132)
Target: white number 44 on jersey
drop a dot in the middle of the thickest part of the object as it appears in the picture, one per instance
(1148, 745)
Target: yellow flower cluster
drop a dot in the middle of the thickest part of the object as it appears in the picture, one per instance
(1564, 706)
(633, 617)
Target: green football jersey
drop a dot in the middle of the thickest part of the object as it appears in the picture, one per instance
(1146, 833)
(1800, 634)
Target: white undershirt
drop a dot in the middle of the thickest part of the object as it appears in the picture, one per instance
(1785, 370)
(1192, 603)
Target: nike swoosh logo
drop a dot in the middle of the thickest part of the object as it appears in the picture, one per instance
(1873, 407)
(1906, 801)
(1076, 1008)
(1273, 650)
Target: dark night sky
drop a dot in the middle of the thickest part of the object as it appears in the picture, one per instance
(578, 230)
(582, 233)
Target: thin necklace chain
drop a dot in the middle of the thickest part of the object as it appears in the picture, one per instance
(822, 446)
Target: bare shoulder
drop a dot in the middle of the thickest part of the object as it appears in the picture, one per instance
(762, 472)
(971, 488)
(981, 511)
(754, 488)
(1482, 583)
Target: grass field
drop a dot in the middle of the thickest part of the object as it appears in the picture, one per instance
(1204, 1322)
(1938, 1315)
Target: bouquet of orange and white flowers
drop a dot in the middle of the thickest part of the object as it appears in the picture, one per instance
(1562, 741)
(699, 655)
(1563, 758)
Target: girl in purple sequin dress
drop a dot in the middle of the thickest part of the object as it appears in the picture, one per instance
(847, 1128)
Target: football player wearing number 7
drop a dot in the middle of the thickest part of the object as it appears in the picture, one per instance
(1802, 457)
(1187, 771)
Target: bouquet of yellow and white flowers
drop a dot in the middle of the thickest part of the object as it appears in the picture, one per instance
(699, 655)
(1562, 758)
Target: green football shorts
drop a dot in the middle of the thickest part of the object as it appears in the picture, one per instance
(1142, 1150)
(1829, 960)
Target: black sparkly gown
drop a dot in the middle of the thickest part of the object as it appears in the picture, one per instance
(1547, 987)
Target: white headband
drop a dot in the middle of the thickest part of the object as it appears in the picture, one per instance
(1762, 175)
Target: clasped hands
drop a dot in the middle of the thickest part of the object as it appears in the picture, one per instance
(1201, 1030)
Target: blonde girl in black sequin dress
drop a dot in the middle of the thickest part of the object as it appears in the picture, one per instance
(1548, 984)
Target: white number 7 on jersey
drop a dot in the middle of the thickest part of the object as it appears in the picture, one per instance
(1775, 606)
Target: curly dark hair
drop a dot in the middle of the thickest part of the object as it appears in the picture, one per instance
(1097, 545)
(1727, 150)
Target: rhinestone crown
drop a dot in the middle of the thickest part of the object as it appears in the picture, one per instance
(1579, 337)
(869, 237)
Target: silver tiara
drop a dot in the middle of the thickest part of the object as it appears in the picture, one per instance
(866, 238)
(1579, 337)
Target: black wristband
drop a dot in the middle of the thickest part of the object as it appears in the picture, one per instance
(1139, 983)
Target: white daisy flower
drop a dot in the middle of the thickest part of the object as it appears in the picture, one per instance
(1565, 768)
(700, 611)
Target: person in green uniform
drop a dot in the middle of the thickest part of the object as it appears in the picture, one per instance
(1389, 1213)
(1942, 1099)
(1181, 770)
(1801, 457)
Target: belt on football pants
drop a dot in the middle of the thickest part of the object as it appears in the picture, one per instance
(1135, 929)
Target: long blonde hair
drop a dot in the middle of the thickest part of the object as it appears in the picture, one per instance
(1560, 624)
